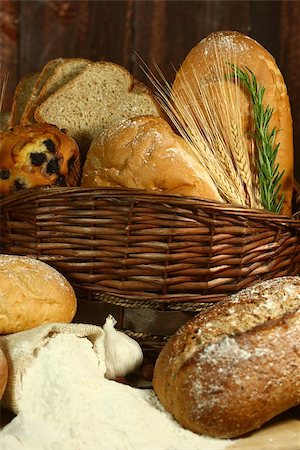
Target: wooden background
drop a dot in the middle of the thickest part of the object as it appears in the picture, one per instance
(32, 32)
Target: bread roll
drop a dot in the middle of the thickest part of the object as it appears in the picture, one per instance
(3, 373)
(31, 294)
(37, 155)
(231, 369)
(145, 153)
(233, 47)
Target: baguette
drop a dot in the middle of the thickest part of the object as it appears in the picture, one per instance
(202, 65)
(231, 369)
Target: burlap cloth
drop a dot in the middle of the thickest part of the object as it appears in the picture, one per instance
(21, 348)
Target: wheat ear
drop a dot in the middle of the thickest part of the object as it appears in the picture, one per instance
(3, 83)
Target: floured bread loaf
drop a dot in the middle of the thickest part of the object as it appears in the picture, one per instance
(234, 367)
(211, 56)
(32, 293)
(145, 153)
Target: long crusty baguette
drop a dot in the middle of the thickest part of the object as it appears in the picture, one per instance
(200, 66)
(231, 369)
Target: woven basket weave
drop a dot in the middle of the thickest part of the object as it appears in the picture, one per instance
(147, 250)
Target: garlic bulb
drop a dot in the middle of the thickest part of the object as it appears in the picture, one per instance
(122, 354)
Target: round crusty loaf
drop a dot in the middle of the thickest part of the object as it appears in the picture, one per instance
(231, 369)
(3, 373)
(200, 65)
(31, 294)
(37, 155)
(145, 153)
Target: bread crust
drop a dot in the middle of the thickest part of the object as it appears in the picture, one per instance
(245, 52)
(32, 293)
(229, 370)
(145, 153)
(22, 95)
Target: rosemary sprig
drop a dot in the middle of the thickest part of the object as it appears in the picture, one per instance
(269, 176)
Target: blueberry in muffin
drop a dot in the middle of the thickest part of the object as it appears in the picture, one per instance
(37, 155)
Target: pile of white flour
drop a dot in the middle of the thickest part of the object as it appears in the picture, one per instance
(67, 404)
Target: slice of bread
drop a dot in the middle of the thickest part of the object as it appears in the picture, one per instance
(27, 117)
(102, 94)
(22, 94)
(61, 75)
(4, 120)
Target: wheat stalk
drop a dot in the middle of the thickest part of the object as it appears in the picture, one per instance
(207, 114)
(3, 84)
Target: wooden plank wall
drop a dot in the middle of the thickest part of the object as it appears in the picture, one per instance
(32, 32)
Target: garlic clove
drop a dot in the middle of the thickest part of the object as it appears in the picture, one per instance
(122, 353)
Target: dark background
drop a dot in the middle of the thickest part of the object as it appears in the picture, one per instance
(33, 32)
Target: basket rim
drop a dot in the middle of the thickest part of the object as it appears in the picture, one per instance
(39, 193)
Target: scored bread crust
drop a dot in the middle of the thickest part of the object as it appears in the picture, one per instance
(229, 370)
(234, 47)
(145, 153)
(32, 293)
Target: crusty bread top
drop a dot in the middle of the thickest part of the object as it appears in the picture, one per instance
(234, 47)
(254, 305)
(145, 153)
(213, 374)
(241, 312)
(22, 94)
(103, 93)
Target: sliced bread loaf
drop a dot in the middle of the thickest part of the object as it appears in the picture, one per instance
(22, 94)
(102, 94)
(61, 75)
(27, 117)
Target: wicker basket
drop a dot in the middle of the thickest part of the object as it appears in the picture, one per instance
(148, 251)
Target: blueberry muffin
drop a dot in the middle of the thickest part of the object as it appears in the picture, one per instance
(37, 155)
